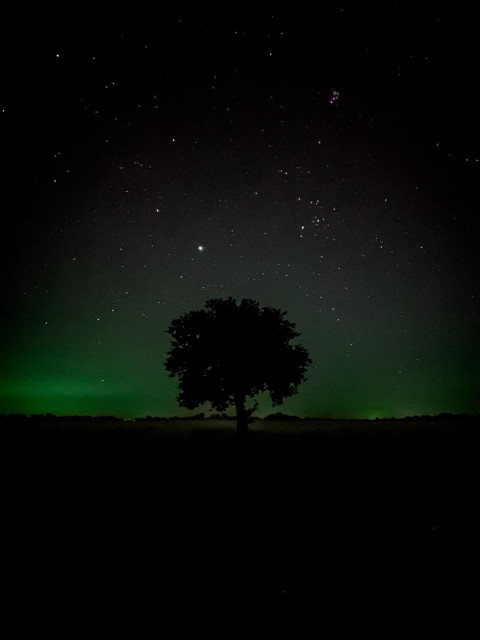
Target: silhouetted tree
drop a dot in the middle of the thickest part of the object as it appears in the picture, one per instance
(225, 353)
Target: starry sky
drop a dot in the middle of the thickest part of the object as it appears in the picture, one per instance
(325, 163)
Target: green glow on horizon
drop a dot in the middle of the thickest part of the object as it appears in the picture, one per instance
(69, 374)
(79, 396)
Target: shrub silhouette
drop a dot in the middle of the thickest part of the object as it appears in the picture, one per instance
(225, 353)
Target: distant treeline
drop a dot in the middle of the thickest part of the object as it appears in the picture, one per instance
(39, 417)
(48, 417)
(439, 417)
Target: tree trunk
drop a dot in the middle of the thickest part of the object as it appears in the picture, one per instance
(242, 418)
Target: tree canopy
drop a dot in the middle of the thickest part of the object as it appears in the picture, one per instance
(227, 352)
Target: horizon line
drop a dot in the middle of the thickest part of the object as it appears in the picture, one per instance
(201, 416)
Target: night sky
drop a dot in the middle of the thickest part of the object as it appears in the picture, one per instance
(325, 163)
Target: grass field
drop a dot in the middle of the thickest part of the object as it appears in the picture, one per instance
(352, 517)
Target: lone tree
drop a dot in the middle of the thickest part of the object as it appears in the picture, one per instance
(226, 353)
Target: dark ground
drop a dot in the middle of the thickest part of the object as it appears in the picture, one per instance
(357, 524)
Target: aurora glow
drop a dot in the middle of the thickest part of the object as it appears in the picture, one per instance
(323, 170)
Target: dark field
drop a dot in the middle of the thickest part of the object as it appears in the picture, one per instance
(348, 520)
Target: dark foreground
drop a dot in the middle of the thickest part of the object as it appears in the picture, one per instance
(359, 525)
